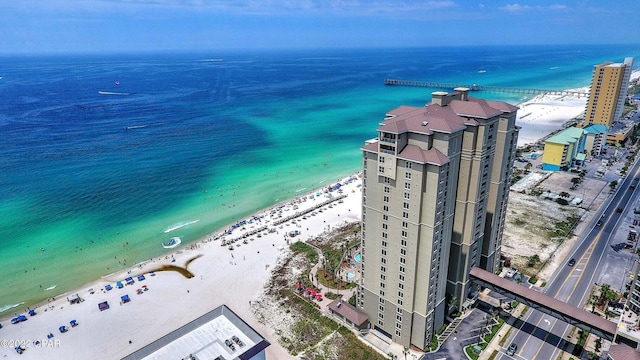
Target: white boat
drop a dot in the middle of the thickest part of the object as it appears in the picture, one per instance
(171, 243)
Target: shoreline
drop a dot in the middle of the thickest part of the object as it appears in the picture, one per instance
(551, 112)
(181, 299)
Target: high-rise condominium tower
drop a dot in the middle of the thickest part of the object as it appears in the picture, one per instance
(608, 92)
(435, 189)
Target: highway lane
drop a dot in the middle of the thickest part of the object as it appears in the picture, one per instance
(540, 336)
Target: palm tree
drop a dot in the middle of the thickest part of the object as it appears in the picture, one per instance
(405, 352)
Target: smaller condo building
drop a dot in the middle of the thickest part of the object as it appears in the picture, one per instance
(565, 149)
(596, 136)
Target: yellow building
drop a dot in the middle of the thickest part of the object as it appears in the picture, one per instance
(564, 150)
(608, 92)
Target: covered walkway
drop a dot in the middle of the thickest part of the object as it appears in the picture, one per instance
(568, 313)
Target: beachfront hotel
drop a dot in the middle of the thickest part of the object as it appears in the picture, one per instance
(608, 92)
(435, 189)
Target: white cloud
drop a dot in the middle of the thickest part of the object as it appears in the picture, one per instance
(521, 8)
(515, 7)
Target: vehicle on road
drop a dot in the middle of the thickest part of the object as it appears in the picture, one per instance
(512, 349)
(571, 262)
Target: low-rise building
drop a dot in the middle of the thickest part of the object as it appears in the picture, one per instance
(596, 136)
(564, 149)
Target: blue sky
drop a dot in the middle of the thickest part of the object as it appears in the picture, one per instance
(36, 26)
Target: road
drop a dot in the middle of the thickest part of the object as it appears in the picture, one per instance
(540, 336)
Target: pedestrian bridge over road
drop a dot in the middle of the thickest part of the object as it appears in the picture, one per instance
(546, 304)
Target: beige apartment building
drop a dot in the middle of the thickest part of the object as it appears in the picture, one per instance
(435, 189)
(609, 87)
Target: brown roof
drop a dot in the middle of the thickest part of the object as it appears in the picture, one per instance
(371, 147)
(348, 311)
(474, 107)
(417, 154)
(546, 301)
(450, 118)
(623, 352)
(501, 105)
(422, 120)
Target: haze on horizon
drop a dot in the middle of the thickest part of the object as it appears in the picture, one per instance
(98, 26)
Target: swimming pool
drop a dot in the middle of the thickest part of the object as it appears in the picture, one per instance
(350, 275)
(358, 257)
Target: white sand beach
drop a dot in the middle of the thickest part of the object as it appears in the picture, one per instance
(547, 113)
(221, 276)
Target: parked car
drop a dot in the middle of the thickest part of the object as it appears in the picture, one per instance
(512, 349)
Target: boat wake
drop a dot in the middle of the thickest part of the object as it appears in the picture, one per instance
(112, 93)
(11, 306)
(135, 127)
(51, 287)
(179, 225)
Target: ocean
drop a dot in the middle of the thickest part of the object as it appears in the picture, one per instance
(104, 157)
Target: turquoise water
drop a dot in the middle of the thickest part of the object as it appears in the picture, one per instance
(94, 173)
(358, 257)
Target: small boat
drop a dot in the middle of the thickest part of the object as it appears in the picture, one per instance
(171, 243)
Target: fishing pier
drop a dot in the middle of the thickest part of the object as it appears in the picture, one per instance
(476, 87)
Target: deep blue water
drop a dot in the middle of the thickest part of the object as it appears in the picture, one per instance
(102, 154)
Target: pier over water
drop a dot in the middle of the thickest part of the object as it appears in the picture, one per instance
(476, 87)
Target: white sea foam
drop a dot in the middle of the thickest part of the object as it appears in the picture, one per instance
(303, 189)
(7, 307)
(179, 225)
(51, 287)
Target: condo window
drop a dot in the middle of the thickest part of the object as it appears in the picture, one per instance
(398, 326)
(403, 242)
(385, 217)
(385, 207)
(408, 164)
(405, 205)
(402, 269)
(398, 333)
(385, 199)
(381, 169)
(400, 302)
(407, 186)
(404, 233)
(401, 286)
(387, 189)
(407, 196)
(386, 180)
(405, 214)
(402, 260)
(407, 175)
(382, 159)
(382, 269)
